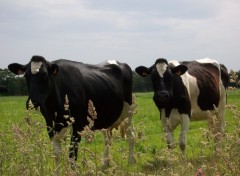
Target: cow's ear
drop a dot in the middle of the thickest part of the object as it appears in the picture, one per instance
(179, 70)
(54, 69)
(142, 71)
(17, 69)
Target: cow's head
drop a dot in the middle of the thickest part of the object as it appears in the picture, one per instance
(164, 77)
(38, 76)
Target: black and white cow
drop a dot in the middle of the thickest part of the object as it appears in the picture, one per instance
(108, 85)
(185, 91)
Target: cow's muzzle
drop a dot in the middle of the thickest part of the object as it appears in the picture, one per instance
(163, 95)
(162, 98)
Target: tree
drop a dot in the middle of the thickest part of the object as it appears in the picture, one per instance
(141, 84)
(15, 85)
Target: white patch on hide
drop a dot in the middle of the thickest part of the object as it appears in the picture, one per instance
(112, 62)
(173, 63)
(208, 60)
(161, 68)
(35, 66)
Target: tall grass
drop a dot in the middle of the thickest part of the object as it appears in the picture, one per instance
(25, 147)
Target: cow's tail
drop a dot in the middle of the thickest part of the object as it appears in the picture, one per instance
(225, 77)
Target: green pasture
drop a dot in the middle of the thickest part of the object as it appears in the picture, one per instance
(26, 150)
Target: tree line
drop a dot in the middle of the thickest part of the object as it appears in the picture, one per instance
(16, 85)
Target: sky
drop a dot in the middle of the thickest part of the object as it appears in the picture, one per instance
(133, 31)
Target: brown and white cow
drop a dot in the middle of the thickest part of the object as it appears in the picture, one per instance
(186, 91)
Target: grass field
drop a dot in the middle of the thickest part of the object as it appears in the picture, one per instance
(26, 150)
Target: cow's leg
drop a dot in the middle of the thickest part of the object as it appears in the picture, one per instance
(123, 129)
(221, 122)
(221, 114)
(56, 143)
(185, 121)
(73, 150)
(127, 109)
(168, 128)
(130, 136)
(219, 125)
(168, 132)
(107, 145)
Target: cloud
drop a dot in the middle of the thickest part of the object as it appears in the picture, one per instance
(136, 31)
